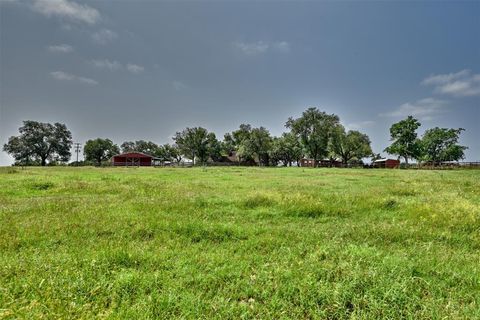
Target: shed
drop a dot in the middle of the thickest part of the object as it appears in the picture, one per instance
(321, 163)
(134, 159)
(386, 163)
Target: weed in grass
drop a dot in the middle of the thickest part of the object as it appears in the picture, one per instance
(390, 204)
(8, 170)
(197, 233)
(258, 200)
(298, 205)
(143, 234)
(307, 211)
(42, 185)
(124, 259)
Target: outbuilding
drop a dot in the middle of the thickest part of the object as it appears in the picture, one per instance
(321, 163)
(386, 163)
(134, 159)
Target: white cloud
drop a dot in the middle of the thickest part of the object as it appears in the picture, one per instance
(459, 84)
(424, 109)
(87, 80)
(64, 76)
(107, 64)
(115, 65)
(261, 47)
(359, 125)
(67, 10)
(60, 75)
(178, 85)
(281, 46)
(252, 48)
(61, 48)
(104, 36)
(134, 68)
(444, 78)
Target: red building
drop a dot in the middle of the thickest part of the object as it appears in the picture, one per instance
(386, 163)
(134, 159)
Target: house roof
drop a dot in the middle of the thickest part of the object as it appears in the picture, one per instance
(134, 155)
(324, 159)
(384, 159)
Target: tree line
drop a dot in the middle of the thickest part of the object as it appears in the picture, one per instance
(316, 135)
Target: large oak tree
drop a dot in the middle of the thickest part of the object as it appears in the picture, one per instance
(257, 145)
(440, 144)
(193, 143)
(147, 147)
(98, 150)
(349, 145)
(314, 128)
(40, 142)
(405, 143)
(286, 149)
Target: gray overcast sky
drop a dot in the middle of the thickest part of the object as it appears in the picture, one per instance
(130, 70)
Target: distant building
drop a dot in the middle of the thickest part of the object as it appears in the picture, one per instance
(134, 159)
(321, 163)
(386, 163)
(233, 158)
(307, 162)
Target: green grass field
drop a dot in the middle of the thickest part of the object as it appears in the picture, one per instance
(228, 243)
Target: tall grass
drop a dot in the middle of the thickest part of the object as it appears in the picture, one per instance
(231, 242)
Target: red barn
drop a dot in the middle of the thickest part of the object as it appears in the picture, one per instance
(133, 159)
(386, 163)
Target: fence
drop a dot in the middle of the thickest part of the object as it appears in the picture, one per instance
(442, 165)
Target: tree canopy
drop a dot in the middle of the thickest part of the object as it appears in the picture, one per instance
(40, 142)
(440, 144)
(315, 134)
(286, 149)
(147, 147)
(214, 147)
(258, 145)
(193, 143)
(98, 150)
(314, 128)
(405, 143)
(250, 144)
(169, 153)
(351, 145)
(237, 141)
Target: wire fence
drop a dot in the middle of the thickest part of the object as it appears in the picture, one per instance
(413, 166)
(441, 165)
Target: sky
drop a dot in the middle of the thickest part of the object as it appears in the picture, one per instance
(130, 70)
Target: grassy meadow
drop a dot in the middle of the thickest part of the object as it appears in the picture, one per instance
(239, 243)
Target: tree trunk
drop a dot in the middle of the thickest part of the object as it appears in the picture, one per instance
(406, 160)
(44, 162)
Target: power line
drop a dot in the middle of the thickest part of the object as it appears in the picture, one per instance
(77, 150)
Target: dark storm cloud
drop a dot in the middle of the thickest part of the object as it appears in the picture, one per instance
(144, 70)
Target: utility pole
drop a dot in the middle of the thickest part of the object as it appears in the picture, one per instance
(77, 150)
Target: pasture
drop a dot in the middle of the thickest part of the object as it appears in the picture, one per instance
(235, 242)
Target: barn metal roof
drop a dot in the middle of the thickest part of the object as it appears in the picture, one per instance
(384, 159)
(134, 155)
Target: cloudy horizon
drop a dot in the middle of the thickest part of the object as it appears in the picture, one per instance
(144, 70)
